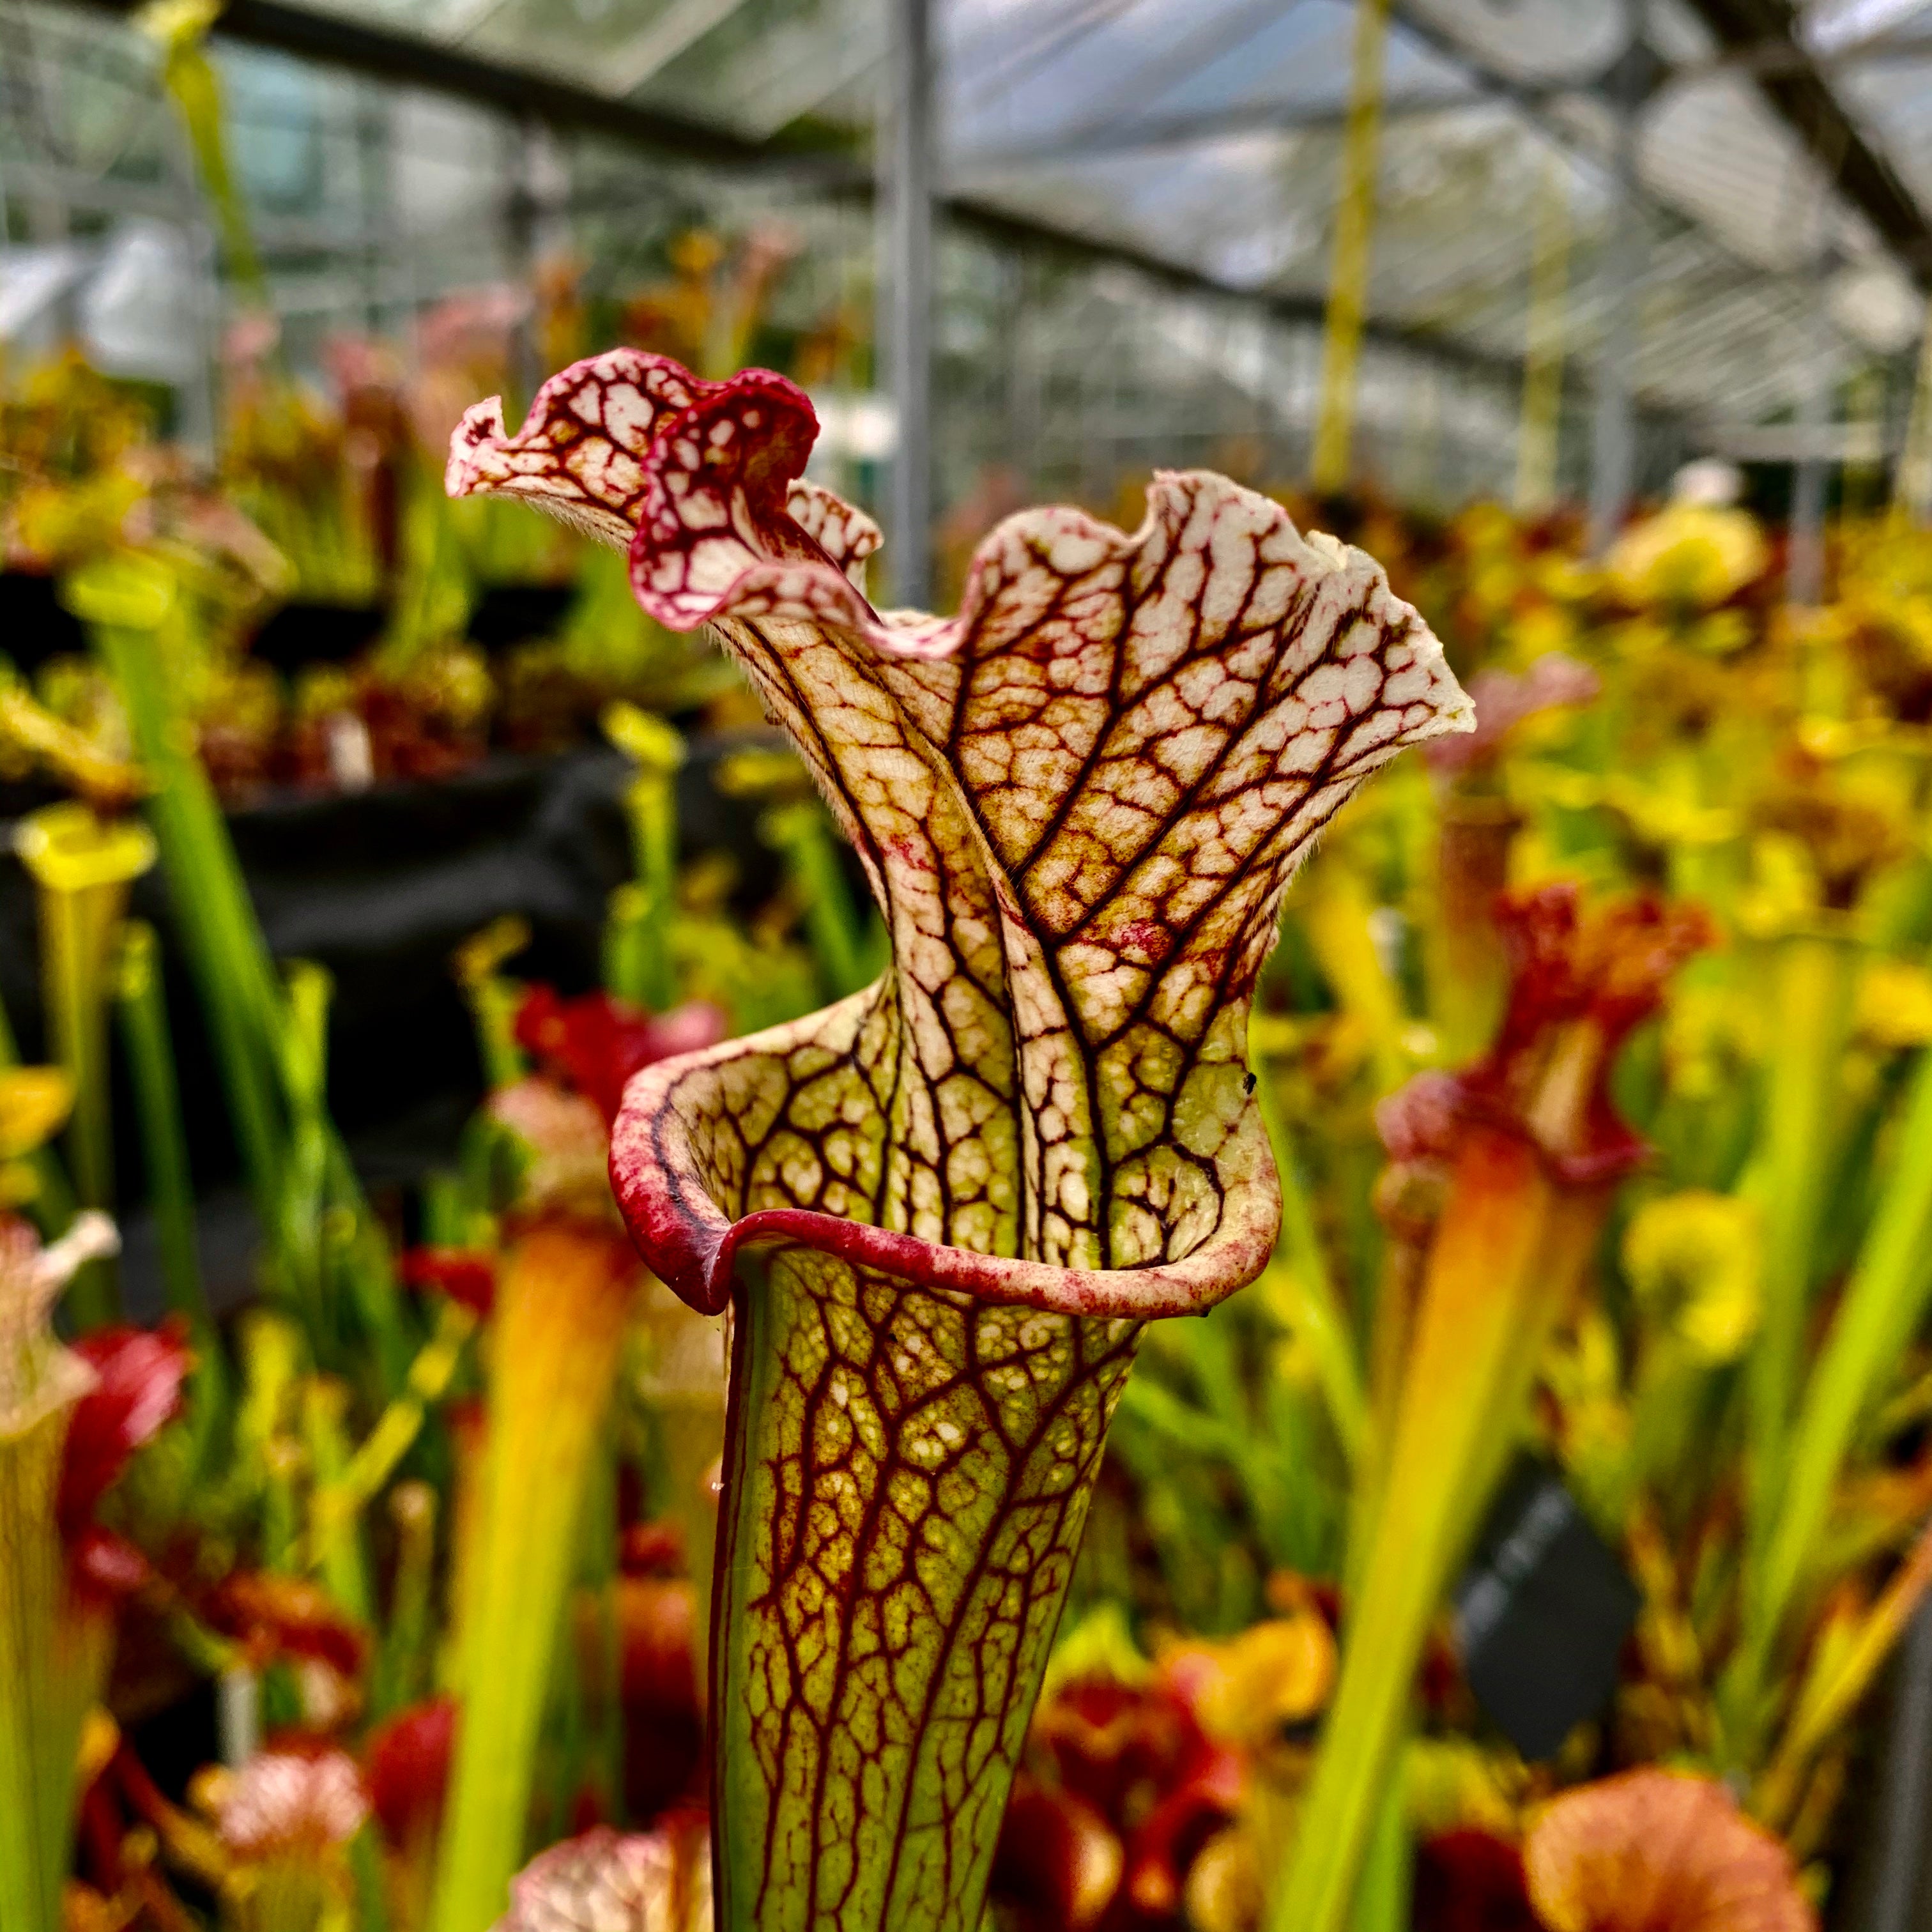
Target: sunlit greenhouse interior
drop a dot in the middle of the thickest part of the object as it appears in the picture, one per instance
(1236, 1239)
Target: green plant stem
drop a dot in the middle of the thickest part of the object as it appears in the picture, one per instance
(150, 1065)
(304, 1041)
(272, 1050)
(1469, 966)
(493, 1001)
(36, 1755)
(1875, 1321)
(561, 1309)
(365, 1865)
(54, 1651)
(337, 1543)
(1335, 912)
(76, 930)
(1397, 1294)
(291, 1892)
(496, 1007)
(492, 997)
(1666, 1405)
(804, 837)
(211, 902)
(652, 798)
(628, 944)
(445, 1210)
(601, 1678)
(189, 76)
(1382, 1899)
(1811, 996)
(1301, 1289)
(1812, 978)
(71, 984)
(639, 947)
(402, 1669)
(347, 1484)
(1837, 1682)
(146, 1041)
(272, 1053)
(359, 1255)
(1201, 1432)
(1506, 1259)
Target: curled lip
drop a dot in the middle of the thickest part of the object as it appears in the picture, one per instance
(692, 1245)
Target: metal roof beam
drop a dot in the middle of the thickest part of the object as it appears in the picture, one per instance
(1180, 130)
(526, 93)
(1799, 93)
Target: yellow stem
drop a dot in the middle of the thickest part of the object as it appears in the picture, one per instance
(1335, 914)
(82, 867)
(34, 1796)
(1511, 1245)
(1468, 978)
(557, 1340)
(1355, 235)
(1830, 1695)
(1537, 433)
(375, 1461)
(54, 1651)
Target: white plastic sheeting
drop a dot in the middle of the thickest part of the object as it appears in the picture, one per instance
(140, 309)
(134, 301)
(1205, 133)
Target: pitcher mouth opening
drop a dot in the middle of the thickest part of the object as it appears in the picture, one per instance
(692, 1245)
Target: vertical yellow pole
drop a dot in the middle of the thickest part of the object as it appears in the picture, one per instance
(1912, 487)
(1354, 235)
(1543, 349)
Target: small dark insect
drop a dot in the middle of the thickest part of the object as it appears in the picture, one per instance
(1248, 1083)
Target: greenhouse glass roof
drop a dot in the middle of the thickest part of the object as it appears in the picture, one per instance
(1784, 154)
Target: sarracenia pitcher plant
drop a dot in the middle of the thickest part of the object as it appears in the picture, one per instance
(1500, 1178)
(55, 1634)
(82, 867)
(941, 1210)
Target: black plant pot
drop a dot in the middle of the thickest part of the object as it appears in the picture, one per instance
(34, 625)
(380, 886)
(1886, 1884)
(306, 633)
(508, 614)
